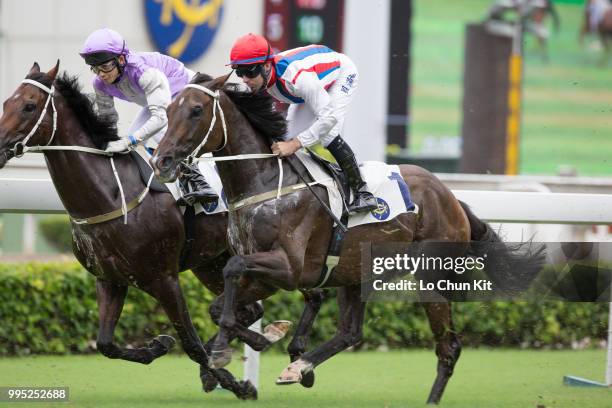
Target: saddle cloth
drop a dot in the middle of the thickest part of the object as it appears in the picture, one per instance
(384, 181)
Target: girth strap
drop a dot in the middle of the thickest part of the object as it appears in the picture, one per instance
(113, 214)
(268, 195)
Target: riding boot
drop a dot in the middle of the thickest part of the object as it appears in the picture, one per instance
(194, 188)
(364, 200)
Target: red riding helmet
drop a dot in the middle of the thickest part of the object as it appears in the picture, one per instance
(250, 49)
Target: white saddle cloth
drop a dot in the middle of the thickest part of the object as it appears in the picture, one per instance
(384, 181)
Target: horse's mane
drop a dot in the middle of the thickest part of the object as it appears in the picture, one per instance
(101, 130)
(258, 108)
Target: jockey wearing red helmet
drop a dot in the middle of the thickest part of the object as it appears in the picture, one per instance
(319, 84)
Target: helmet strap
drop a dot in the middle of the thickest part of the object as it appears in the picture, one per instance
(265, 75)
(120, 66)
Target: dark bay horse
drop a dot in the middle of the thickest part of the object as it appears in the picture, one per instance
(145, 253)
(282, 243)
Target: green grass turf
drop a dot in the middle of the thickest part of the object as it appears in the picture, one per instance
(483, 378)
(567, 102)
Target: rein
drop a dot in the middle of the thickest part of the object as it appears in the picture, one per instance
(20, 148)
(280, 190)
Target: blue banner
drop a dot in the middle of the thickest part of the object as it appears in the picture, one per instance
(183, 29)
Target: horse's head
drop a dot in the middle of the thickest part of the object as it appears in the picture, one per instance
(27, 115)
(194, 126)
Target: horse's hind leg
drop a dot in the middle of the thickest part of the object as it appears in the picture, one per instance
(313, 299)
(111, 298)
(168, 292)
(448, 346)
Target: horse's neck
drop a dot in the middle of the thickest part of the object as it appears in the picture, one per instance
(84, 181)
(245, 178)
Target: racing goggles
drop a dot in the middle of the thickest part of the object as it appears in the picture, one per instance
(106, 67)
(249, 71)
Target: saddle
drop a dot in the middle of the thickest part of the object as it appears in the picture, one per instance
(334, 171)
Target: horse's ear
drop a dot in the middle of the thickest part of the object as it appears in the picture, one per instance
(218, 83)
(35, 69)
(53, 72)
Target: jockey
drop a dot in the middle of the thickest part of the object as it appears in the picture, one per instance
(149, 79)
(319, 83)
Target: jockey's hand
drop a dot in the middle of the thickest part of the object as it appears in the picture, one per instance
(118, 146)
(284, 149)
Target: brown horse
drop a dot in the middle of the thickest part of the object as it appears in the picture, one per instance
(150, 249)
(282, 243)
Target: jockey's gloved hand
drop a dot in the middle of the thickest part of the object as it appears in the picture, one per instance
(121, 145)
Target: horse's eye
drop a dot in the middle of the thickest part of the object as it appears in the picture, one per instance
(29, 107)
(196, 111)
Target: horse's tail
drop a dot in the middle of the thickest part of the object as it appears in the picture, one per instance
(512, 267)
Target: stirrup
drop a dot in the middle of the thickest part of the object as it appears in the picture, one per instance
(364, 202)
(201, 196)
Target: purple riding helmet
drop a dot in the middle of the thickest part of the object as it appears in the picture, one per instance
(103, 45)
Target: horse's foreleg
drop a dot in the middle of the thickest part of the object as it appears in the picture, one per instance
(271, 269)
(168, 292)
(313, 299)
(349, 333)
(448, 346)
(246, 315)
(111, 298)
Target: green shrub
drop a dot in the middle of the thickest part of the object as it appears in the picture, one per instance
(57, 232)
(50, 308)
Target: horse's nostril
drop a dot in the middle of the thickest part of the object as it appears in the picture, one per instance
(163, 164)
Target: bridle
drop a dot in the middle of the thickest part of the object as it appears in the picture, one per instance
(216, 107)
(20, 147)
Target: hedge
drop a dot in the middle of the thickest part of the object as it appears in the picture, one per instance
(57, 232)
(50, 308)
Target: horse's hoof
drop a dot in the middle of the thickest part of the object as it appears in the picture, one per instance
(276, 330)
(162, 344)
(248, 392)
(209, 382)
(294, 372)
(308, 379)
(220, 358)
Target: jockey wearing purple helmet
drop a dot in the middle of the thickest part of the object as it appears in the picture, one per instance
(149, 79)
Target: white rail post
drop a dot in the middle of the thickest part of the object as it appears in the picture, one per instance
(251, 363)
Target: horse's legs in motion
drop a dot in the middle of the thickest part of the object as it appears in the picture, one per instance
(349, 333)
(111, 298)
(313, 299)
(168, 292)
(448, 346)
(271, 267)
(246, 315)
